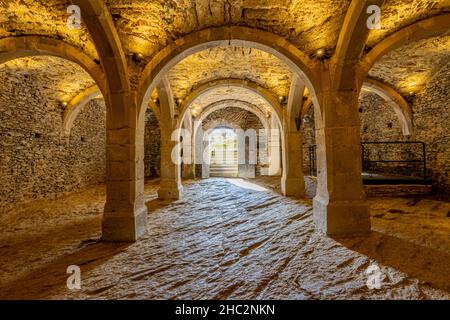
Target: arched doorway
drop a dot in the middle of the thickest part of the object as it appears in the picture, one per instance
(223, 152)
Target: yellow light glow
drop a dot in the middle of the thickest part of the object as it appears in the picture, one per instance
(413, 83)
(246, 185)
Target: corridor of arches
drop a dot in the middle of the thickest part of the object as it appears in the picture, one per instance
(217, 150)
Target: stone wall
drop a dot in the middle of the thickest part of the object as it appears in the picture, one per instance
(431, 123)
(152, 142)
(236, 116)
(380, 123)
(309, 138)
(36, 159)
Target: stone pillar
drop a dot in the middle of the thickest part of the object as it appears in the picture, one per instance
(188, 172)
(125, 215)
(205, 156)
(274, 149)
(339, 206)
(170, 181)
(292, 181)
(247, 170)
(200, 169)
(188, 166)
(247, 153)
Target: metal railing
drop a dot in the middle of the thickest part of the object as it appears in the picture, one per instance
(368, 162)
(419, 160)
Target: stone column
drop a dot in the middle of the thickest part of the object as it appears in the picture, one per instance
(170, 180)
(292, 181)
(339, 206)
(247, 153)
(247, 170)
(274, 148)
(125, 215)
(188, 166)
(187, 171)
(206, 159)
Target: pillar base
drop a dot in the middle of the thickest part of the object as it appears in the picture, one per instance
(205, 171)
(198, 171)
(341, 218)
(118, 227)
(187, 171)
(246, 171)
(173, 193)
(274, 172)
(292, 187)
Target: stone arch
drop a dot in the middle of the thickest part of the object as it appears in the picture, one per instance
(401, 108)
(350, 46)
(76, 104)
(27, 46)
(228, 103)
(265, 94)
(307, 70)
(431, 27)
(80, 100)
(197, 139)
(217, 123)
(298, 61)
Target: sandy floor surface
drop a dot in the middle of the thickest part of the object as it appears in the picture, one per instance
(227, 239)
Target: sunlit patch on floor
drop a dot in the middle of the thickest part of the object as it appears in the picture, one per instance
(246, 185)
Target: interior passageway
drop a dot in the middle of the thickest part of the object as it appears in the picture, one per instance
(223, 147)
(335, 161)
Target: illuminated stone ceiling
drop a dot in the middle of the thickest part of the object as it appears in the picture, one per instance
(230, 62)
(425, 59)
(59, 82)
(147, 26)
(397, 14)
(46, 17)
(229, 94)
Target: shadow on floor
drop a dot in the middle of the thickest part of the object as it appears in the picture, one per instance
(52, 277)
(428, 265)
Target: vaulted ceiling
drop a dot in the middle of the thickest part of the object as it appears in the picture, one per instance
(147, 26)
(410, 67)
(42, 17)
(230, 62)
(230, 94)
(55, 78)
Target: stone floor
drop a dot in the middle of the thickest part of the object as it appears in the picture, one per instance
(227, 239)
